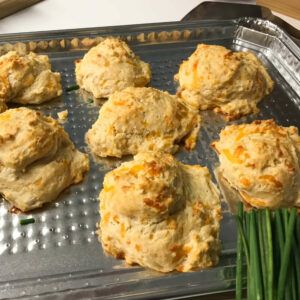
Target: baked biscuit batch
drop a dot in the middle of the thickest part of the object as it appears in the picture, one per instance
(155, 211)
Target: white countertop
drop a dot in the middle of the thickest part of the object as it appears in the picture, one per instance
(66, 14)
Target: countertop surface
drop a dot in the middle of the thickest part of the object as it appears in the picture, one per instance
(66, 14)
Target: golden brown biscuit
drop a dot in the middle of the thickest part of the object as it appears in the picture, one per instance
(3, 107)
(141, 119)
(160, 214)
(261, 161)
(109, 67)
(231, 83)
(37, 159)
(27, 79)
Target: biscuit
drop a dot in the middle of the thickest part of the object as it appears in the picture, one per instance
(3, 107)
(160, 214)
(27, 79)
(109, 67)
(141, 119)
(231, 83)
(37, 159)
(261, 161)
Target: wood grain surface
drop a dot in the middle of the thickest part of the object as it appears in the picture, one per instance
(287, 7)
(8, 7)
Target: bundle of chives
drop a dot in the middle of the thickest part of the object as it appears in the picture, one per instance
(270, 243)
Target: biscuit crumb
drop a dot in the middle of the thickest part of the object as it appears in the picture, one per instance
(63, 115)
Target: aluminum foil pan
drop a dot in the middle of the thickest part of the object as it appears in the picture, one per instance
(59, 255)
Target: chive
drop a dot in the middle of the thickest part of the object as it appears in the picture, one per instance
(244, 241)
(251, 273)
(296, 253)
(285, 217)
(254, 258)
(280, 239)
(250, 289)
(298, 233)
(245, 249)
(247, 238)
(269, 255)
(293, 283)
(286, 252)
(262, 247)
(276, 254)
(90, 100)
(279, 230)
(270, 244)
(27, 221)
(72, 88)
(239, 258)
(285, 220)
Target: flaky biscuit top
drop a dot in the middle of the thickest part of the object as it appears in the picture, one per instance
(111, 66)
(26, 136)
(141, 119)
(160, 214)
(27, 79)
(261, 161)
(231, 83)
(37, 159)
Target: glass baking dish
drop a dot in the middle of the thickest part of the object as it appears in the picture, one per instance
(59, 255)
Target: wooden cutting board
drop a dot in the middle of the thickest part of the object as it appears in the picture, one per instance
(8, 7)
(287, 7)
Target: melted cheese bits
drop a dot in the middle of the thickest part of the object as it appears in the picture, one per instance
(261, 161)
(37, 159)
(28, 79)
(160, 214)
(142, 119)
(231, 83)
(109, 67)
